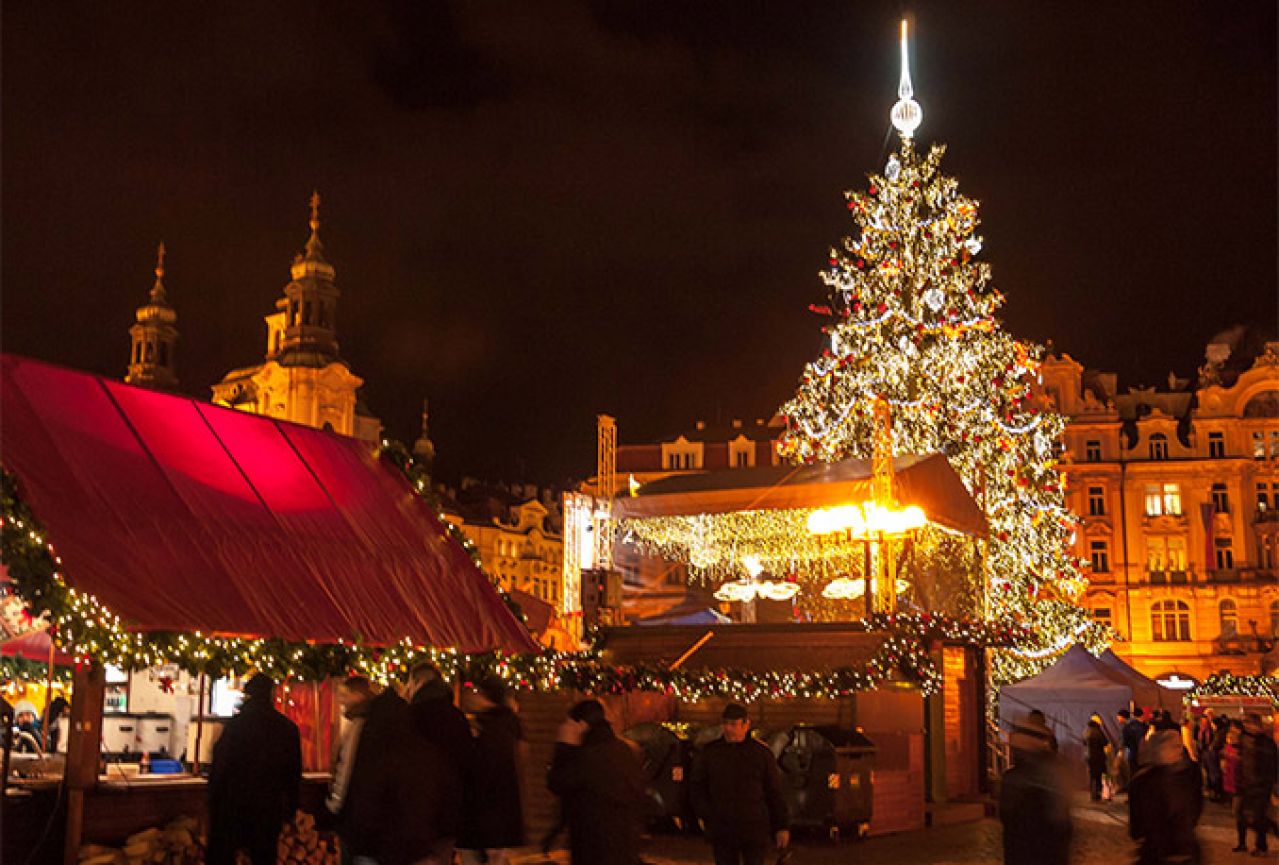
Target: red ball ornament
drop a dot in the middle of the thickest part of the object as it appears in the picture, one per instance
(873, 191)
(881, 307)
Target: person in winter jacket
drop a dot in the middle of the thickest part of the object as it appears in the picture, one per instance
(1095, 743)
(254, 779)
(736, 789)
(390, 808)
(601, 788)
(1257, 770)
(492, 819)
(1165, 800)
(1034, 801)
(440, 723)
(1132, 734)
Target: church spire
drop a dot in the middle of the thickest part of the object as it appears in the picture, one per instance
(907, 114)
(314, 249)
(424, 448)
(154, 337)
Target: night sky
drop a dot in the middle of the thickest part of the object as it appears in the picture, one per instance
(543, 211)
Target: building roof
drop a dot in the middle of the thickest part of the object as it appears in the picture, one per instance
(181, 515)
(926, 481)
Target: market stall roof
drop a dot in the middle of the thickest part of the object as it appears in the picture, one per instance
(1145, 691)
(181, 515)
(926, 481)
(757, 648)
(35, 646)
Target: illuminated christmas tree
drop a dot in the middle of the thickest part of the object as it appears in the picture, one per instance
(912, 320)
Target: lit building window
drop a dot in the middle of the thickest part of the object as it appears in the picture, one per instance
(1216, 445)
(1274, 618)
(1166, 558)
(1220, 499)
(1229, 618)
(1163, 500)
(1092, 451)
(1258, 445)
(1099, 552)
(1096, 501)
(1263, 498)
(1274, 442)
(1170, 621)
(1103, 616)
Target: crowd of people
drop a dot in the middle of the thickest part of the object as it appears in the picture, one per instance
(417, 783)
(1166, 767)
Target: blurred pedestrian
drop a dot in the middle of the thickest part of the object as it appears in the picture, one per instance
(1232, 784)
(601, 788)
(736, 789)
(354, 696)
(1165, 800)
(440, 723)
(1258, 765)
(1038, 717)
(254, 779)
(396, 789)
(1132, 734)
(1095, 744)
(1034, 801)
(492, 818)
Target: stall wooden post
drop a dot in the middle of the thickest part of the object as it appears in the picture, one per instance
(84, 749)
(48, 701)
(199, 728)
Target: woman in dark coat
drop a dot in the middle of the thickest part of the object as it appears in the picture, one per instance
(493, 821)
(1095, 742)
(597, 777)
(1165, 800)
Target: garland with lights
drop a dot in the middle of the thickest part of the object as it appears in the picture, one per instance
(22, 669)
(911, 319)
(88, 630)
(1225, 684)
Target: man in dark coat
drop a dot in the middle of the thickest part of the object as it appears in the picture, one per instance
(601, 788)
(493, 819)
(737, 791)
(1165, 800)
(441, 724)
(1034, 801)
(395, 789)
(1257, 770)
(254, 779)
(1131, 734)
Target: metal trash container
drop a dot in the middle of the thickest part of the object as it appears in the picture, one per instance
(664, 756)
(853, 780)
(808, 766)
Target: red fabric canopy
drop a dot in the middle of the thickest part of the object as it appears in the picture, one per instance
(181, 515)
(34, 646)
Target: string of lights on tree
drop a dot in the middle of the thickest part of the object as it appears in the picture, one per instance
(88, 630)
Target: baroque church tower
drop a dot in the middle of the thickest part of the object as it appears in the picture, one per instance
(304, 378)
(154, 336)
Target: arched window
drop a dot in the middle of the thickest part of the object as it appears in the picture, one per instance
(1229, 618)
(137, 352)
(1159, 446)
(149, 356)
(1170, 621)
(164, 354)
(1274, 618)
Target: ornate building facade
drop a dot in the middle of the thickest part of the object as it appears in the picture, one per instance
(303, 377)
(1177, 492)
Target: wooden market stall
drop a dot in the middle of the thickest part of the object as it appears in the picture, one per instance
(184, 518)
(930, 741)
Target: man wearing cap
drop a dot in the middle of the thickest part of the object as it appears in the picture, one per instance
(737, 791)
(254, 779)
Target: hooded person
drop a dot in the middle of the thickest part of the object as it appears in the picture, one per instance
(1034, 802)
(1095, 743)
(254, 779)
(601, 788)
(1165, 800)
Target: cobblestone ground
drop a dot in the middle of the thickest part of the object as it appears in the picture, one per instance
(1101, 838)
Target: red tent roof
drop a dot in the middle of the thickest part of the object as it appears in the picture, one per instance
(181, 515)
(34, 646)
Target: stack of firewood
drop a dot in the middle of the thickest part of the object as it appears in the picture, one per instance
(300, 844)
(179, 843)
